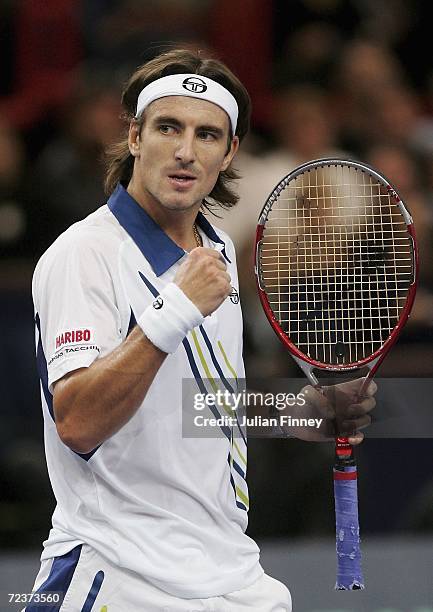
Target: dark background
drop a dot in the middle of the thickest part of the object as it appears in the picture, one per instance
(325, 76)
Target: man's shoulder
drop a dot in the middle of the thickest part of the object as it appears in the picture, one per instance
(98, 235)
(98, 230)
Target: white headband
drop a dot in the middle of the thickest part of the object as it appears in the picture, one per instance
(193, 85)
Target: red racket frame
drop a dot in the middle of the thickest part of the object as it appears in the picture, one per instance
(378, 356)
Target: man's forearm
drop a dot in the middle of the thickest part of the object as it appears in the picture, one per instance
(92, 404)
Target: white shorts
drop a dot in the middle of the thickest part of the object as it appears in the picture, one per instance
(92, 584)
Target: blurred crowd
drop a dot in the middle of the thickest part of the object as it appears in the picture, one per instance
(326, 77)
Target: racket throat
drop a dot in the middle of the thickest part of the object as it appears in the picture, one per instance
(344, 455)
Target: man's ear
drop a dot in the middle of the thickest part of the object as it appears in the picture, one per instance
(230, 154)
(134, 138)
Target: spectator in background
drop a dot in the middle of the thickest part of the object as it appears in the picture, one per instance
(366, 66)
(364, 70)
(316, 47)
(68, 177)
(305, 126)
(402, 119)
(398, 111)
(14, 215)
(347, 16)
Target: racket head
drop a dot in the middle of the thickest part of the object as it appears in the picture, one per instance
(336, 264)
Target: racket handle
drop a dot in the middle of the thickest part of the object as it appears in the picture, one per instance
(349, 572)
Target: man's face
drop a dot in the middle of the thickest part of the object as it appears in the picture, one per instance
(179, 153)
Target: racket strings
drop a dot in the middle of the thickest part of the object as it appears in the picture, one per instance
(336, 263)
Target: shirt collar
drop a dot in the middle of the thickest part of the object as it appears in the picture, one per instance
(158, 248)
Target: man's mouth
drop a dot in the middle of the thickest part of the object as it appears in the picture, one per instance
(182, 178)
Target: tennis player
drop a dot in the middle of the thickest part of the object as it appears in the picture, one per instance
(128, 303)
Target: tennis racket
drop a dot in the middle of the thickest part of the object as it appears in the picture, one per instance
(336, 265)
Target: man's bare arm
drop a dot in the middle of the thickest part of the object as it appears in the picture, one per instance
(91, 404)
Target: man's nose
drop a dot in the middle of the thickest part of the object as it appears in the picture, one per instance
(185, 151)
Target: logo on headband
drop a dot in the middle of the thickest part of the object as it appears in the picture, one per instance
(194, 84)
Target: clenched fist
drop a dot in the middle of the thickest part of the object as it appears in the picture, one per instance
(204, 279)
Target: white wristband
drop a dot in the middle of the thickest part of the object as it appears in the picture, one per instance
(169, 318)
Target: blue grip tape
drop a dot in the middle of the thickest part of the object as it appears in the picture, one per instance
(349, 573)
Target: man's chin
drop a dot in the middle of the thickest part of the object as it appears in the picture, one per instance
(179, 205)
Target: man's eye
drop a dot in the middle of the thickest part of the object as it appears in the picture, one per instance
(204, 135)
(166, 129)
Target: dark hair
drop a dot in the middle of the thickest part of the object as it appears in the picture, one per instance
(120, 162)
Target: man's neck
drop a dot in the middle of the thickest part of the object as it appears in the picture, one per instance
(177, 224)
